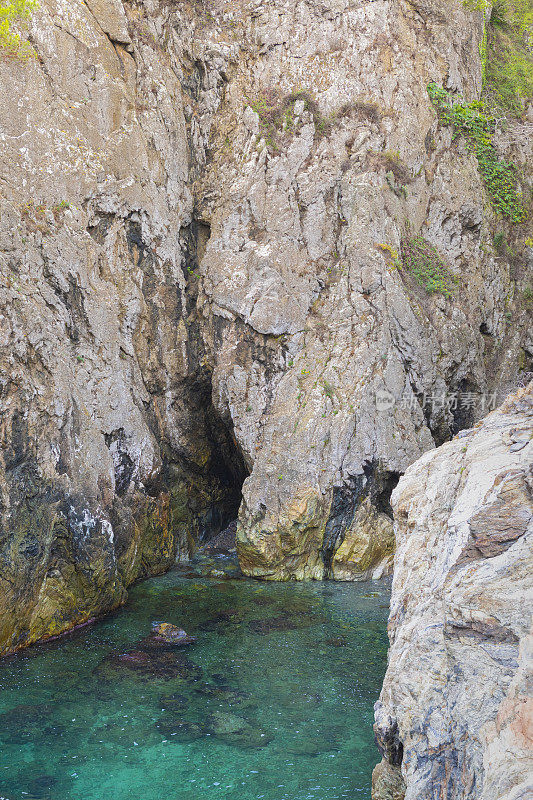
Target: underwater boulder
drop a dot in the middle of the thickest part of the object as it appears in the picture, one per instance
(236, 731)
(225, 695)
(272, 625)
(313, 746)
(167, 633)
(179, 730)
(337, 641)
(175, 702)
(221, 619)
(20, 724)
(149, 664)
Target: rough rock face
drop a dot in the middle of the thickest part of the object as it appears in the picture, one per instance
(199, 206)
(455, 711)
(114, 460)
(326, 155)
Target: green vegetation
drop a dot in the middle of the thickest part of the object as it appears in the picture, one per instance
(507, 53)
(504, 250)
(389, 251)
(483, 56)
(477, 125)
(476, 5)
(13, 12)
(499, 240)
(329, 391)
(425, 264)
(509, 66)
(499, 14)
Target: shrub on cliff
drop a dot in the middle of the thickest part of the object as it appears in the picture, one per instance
(12, 13)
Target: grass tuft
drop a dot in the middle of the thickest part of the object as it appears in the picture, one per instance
(424, 262)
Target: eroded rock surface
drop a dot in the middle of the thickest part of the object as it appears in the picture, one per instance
(454, 716)
(114, 461)
(326, 154)
(200, 203)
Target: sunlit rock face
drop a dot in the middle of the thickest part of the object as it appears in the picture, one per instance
(454, 715)
(201, 203)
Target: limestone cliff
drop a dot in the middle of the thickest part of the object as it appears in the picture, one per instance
(208, 217)
(454, 716)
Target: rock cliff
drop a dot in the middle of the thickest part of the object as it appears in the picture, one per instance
(244, 263)
(454, 715)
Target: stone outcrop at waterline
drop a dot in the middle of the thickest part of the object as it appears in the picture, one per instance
(455, 712)
(200, 208)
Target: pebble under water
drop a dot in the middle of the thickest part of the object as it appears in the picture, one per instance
(274, 702)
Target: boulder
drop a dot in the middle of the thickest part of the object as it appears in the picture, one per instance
(167, 633)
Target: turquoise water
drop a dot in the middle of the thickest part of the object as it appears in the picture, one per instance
(275, 701)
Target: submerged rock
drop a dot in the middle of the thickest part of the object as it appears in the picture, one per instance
(221, 620)
(337, 641)
(22, 723)
(294, 620)
(225, 695)
(181, 730)
(39, 787)
(237, 731)
(175, 702)
(216, 565)
(171, 634)
(452, 717)
(312, 746)
(273, 625)
(148, 664)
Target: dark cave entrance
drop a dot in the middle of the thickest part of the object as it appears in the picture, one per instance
(203, 472)
(226, 471)
(203, 468)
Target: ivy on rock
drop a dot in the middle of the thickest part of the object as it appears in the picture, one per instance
(477, 126)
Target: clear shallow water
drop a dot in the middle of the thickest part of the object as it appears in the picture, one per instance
(274, 702)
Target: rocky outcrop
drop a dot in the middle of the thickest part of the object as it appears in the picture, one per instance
(335, 366)
(454, 715)
(203, 210)
(114, 461)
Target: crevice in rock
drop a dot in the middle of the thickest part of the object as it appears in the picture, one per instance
(99, 230)
(344, 503)
(388, 742)
(464, 412)
(203, 467)
(123, 464)
(373, 482)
